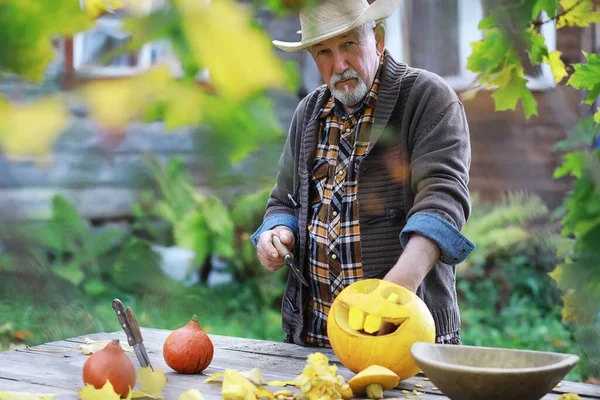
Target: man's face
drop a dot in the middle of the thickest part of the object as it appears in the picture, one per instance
(348, 63)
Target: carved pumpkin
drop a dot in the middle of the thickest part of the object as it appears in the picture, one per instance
(111, 363)
(358, 313)
(188, 350)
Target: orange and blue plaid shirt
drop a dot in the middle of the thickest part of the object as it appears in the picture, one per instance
(334, 255)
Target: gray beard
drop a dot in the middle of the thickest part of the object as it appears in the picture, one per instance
(347, 96)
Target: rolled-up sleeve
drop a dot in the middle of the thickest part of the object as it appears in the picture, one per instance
(454, 246)
(273, 221)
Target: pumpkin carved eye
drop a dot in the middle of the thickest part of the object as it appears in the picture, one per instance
(358, 313)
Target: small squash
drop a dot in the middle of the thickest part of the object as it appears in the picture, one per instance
(361, 310)
(188, 350)
(111, 363)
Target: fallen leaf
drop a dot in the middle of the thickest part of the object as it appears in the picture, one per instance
(254, 375)
(26, 396)
(89, 392)
(93, 346)
(237, 387)
(192, 394)
(282, 383)
(151, 383)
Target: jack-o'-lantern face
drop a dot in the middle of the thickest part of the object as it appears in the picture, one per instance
(358, 313)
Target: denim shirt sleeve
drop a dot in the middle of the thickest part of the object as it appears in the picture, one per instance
(454, 247)
(275, 220)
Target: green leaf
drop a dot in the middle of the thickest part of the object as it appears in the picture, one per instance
(581, 135)
(535, 46)
(192, 233)
(549, 6)
(587, 77)
(27, 28)
(507, 97)
(489, 53)
(71, 273)
(574, 164)
(94, 287)
(101, 242)
(597, 116)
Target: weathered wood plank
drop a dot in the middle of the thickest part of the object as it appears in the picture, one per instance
(33, 370)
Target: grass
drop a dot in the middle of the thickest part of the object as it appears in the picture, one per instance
(239, 310)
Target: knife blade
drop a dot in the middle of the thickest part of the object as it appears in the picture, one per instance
(139, 340)
(288, 259)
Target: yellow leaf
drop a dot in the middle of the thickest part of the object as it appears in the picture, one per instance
(89, 392)
(93, 346)
(31, 129)
(115, 104)
(192, 394)
(214, 377)
(239, 57)
(557, 66)
(597, 116)
(151, 382)
(255, 376)
(282, 383)
(97, 8)
(26, 396)
(578, 13)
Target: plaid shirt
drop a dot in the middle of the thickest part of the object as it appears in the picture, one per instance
(334, 253)
(334, 234)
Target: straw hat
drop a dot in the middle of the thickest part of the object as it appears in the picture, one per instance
(334, 17)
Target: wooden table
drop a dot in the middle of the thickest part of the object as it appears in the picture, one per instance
(61, 372)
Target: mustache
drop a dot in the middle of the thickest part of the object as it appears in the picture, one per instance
(347, 74)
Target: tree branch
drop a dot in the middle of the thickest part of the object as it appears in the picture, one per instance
(538, 22)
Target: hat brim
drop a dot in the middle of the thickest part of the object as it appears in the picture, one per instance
(377, 11)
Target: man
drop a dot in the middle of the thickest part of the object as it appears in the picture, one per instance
(373, 176)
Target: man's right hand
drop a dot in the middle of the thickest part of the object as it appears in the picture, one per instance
(267, 253)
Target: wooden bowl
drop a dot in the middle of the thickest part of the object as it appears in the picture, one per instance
(485, 373)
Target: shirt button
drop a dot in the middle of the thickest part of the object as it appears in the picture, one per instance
(335, 213)
(334, 256)
(348, 130)
(340, 172)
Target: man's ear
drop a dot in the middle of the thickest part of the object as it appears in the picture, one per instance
(380, 37)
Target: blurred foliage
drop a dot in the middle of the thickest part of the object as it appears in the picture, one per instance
(506, 296)
(500, 225)
(510, 30)
(220, 37)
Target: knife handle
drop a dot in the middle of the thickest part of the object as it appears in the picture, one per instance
(120, 310)
(135, 328)
(281, 248)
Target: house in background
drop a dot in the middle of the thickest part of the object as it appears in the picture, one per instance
(509, 152)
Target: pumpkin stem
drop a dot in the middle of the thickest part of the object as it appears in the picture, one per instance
(195, 318)
(116, 342)
(374, 391)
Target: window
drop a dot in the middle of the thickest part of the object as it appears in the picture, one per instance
(436, 35)
(95, 50)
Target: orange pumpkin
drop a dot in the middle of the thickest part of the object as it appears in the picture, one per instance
(188, 350)
(358, 313)
(111, 363)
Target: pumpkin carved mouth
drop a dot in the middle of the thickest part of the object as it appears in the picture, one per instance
(364, 309)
